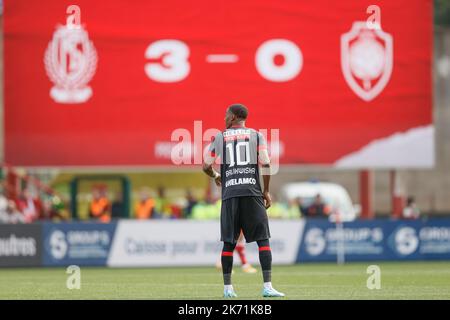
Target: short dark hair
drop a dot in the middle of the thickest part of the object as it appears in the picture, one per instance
(239, 110)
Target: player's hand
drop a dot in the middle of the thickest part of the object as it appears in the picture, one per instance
(267, 199)
(218, 181)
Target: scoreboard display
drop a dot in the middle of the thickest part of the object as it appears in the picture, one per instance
(108, 82)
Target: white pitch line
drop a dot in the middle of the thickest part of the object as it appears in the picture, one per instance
(222, 58)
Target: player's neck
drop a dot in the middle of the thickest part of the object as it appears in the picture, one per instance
(240, 124)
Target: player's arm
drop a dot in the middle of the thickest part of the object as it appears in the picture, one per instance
(264, 160)
(209, 170)
(266, 191)
(208, 161)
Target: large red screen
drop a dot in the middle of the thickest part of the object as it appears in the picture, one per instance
(342, 91)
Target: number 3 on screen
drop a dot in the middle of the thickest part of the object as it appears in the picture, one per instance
(172, 64)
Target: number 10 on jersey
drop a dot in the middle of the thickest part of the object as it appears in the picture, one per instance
(238, 153)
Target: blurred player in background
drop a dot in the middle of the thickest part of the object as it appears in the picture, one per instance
(243, 204)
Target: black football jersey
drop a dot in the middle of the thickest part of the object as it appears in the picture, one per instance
(238, 149)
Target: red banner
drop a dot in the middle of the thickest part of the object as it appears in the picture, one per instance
(346, 84)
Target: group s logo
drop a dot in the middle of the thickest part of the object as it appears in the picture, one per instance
(70, 61)
(57, 244)
(315, 241)
(406, 241)
(367, 59)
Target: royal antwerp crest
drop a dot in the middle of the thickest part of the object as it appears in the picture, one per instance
(366, 59)
(70, 62)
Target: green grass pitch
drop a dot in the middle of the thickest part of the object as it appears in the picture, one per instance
(407, 280)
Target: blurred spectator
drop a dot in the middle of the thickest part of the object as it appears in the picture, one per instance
(54, 209)
(294, 209)
(276, 210)
(4, 215)
(117, 207)
(411, 211)
(318, 209)
(280, 210)
(30, 206)
(301, 205)
(176, 211)
(145, 208)
(162, 205)
(8, 210)
(191, 202)
(99, 208)
(209, 209)
(13, 214)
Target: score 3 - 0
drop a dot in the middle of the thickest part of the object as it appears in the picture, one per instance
(172, 63)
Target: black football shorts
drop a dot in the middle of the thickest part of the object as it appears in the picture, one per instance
(244, 213)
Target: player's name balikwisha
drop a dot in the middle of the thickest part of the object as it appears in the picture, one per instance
(240, 171)
(233, 182)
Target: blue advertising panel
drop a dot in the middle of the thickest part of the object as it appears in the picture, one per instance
(77, 243)
(375, 240)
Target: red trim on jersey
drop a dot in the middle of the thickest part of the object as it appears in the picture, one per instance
(227, 253)
(213, 154)
(264, 249)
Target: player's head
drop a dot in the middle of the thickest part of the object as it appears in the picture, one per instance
(235, 113)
